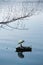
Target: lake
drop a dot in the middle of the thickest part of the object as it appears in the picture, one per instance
(33, 37)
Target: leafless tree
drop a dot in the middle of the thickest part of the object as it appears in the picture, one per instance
(28, 9)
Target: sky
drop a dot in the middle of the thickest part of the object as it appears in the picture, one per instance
(4, 12)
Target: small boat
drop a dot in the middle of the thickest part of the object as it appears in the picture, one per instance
(23, 49)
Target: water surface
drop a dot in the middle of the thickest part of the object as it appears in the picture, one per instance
(33, 37)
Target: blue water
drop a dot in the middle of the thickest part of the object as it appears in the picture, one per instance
(33, 37)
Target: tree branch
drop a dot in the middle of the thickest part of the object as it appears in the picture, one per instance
(19, 18)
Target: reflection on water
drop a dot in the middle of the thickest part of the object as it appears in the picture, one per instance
(20, 55)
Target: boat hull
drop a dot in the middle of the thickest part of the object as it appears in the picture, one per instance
(23, 49)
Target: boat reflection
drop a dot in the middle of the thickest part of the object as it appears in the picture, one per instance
(20, 54)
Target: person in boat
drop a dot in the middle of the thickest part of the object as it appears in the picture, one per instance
(20, 42)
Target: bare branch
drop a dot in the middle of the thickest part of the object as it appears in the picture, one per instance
(19, 18)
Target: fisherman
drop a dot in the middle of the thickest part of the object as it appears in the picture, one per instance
(20, 42)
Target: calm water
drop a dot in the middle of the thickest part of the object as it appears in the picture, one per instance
(33, 37)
